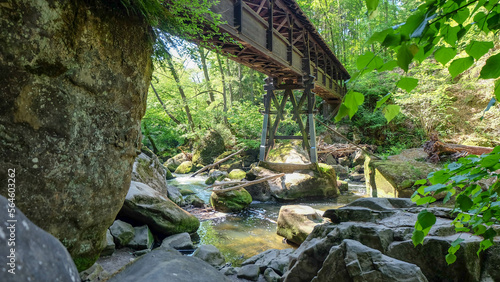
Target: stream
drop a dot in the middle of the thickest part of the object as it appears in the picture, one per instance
(240, 236)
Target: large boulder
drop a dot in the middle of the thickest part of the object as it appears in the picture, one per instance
(353, 261)
(70, 114)
(148, 206)
(230, 201)
(300, 181)
(122, 232)
(277, 260)
(288, 153)
(164, 264)
(237, 174)
(210, 146)
(395, 177)
(430, 257)
(184, 168)
(296, 222)
(173, 163)
(30, 253)
(143, 238)
(210, 254)
(179, 241)
(150, 171)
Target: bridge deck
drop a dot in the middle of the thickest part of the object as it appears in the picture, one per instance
(276, 38)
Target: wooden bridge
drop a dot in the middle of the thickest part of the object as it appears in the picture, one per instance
(276, 38)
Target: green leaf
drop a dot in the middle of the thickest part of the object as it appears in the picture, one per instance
(447, 197)
(490, 160)
(343, 111)
(369, 61)
(445, 54)
(490, 233)
(477, 49)
(426, 219)
(392, 40)
(425, 200)
(383, 100)
(407, 83)
(352, 101)
(464, 202)
(380, 36)
(404, 57)
(421, 182)
(458, 66)
(391, 111)
(388, 66)
(457, 242)
(417, 237)
(371, 5)
(434, 188)
(450, 258)
(450, 34)
(492, 67)
(461, 16)
(480, 229)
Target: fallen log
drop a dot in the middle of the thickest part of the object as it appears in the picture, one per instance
(435, 149)
(242, 185)
(216, 163)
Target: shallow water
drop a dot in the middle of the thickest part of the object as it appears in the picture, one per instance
(245, 234)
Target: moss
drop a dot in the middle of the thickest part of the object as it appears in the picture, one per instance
(184, 168)
(189, 224)
(237, 174)
(168, 174)
(83, 263)
(231, 201)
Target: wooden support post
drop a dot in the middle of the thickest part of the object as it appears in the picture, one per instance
(313, 153)
(289, 52)
(238, 6)
(270, 25)
(269, 88)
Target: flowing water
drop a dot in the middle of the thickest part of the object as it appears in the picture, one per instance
(245, 234)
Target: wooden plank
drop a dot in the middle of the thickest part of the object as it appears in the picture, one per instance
(288, 137)
(226, 9)
(269, 32)
(299, 119)
(279, 46)
(245, 184)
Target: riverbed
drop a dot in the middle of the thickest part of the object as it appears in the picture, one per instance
(242, 235)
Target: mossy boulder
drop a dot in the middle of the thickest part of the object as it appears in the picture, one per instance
(211, 146)
(145, 205)
(186, 191)
(288, 153)
(150, 171)
(231, 201)
(175, 161)
(185, 168)
(296, 222)
(195, 201)
(237, 174)
(395, 177)
(168, 174)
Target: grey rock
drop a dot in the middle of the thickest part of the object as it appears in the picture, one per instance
(164, 264)
(110, 245)
(491, 271)
(143, 238)
(94, 273)
(210, 254)
(209, 148)
(330, 160)
(277, 260)
(37, 253)
(178, 241)
(175, 195)
(352, 261)
(122, 232)
(249, 272)
(141, 252)
(271, 276)
(195, 201)
(430, 257)
(150, 207)
(229, 270)
(296, 222)
(70, 116)
(176, 161)
(341, 171)
(150, 171)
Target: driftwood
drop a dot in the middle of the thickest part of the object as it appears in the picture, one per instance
(435, 149)
(345, 138)
(242, 183)
(216, 163)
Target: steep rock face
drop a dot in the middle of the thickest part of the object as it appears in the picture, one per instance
(74, 77)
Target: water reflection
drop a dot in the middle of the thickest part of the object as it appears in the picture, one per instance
(245, 234)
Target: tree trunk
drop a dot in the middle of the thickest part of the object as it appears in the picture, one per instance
(203, 57)
(224, 96)
(181, 90)
(230, 84)
(240, 77)
(164, 107)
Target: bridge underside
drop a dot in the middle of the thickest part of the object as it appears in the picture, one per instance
(276, 38)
